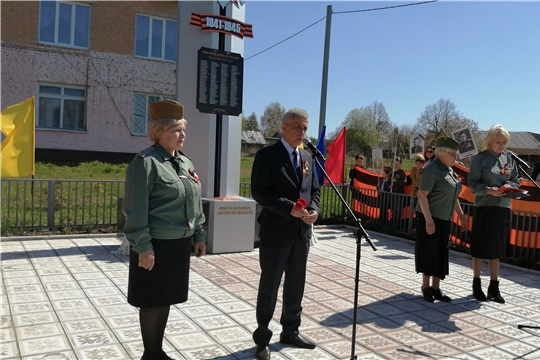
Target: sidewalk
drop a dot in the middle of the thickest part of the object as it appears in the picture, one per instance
(65, 298)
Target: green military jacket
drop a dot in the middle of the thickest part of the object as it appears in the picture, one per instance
(159, 202)
(444, 188)
(489, 169)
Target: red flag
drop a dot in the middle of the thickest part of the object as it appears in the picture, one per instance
(335, 162)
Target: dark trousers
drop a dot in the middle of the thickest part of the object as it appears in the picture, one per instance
(276, 258)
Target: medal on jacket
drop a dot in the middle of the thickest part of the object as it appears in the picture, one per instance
(193, 175)
(504, 170)
(305, 167)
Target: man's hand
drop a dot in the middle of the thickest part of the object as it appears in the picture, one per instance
(298, 213)
(199, 248)
(147, 260)
(311, 217)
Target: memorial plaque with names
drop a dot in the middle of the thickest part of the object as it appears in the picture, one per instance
(220, 77)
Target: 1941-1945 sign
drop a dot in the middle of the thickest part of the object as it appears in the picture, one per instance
(220, 78)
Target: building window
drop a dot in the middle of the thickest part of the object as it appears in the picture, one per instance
(60, 107)
(64, 24)
(139, 124)
(155, 38)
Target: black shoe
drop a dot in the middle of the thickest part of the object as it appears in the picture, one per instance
(493, 292)
(427, 294)
(297, 341)
(438, 295)
(262, 352)
(163, 356)
(477, 290)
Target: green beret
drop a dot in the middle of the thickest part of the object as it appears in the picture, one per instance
(447, 143)
(166, 109)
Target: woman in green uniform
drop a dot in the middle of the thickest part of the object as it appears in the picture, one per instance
(437, 200)
(163, 209)
(490, 169)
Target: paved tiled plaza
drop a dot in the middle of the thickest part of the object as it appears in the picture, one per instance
(65, 298)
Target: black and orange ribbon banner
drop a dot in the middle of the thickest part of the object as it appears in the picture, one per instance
(525, 228)
(222, 24)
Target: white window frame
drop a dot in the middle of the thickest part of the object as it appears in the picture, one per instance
(62, 97)
(151, 20)
(56, 40)
(140, 102)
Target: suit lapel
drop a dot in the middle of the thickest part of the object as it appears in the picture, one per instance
(286, 158)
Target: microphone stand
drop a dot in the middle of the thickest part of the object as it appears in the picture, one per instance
(358, 234)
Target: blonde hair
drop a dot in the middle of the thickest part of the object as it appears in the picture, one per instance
(156, 128)
(492, 133)
(441, 151)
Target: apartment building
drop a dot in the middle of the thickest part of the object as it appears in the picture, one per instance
(93, 67)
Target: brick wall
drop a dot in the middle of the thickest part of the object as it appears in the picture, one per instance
(112, 23)
(109, 70)
(20, 21)
(111, 81)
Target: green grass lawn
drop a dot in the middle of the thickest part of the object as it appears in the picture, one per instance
(96, 170)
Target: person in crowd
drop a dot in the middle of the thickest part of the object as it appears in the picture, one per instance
(417, 148)
(383, 185)
(163, 209)
(536, 172)
(437, 201)
(415, 173)
(491, 169)
(398, 180)
(284, 184)
(359, 163)
(429, 155)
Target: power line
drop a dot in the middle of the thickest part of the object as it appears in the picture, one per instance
(290, 37)
(337, 13)
(385, 8)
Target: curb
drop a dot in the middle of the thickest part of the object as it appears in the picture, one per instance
(53, 237)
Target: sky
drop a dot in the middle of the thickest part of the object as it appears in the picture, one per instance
(483, 56)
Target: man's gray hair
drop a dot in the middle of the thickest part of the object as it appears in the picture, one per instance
(294, 113)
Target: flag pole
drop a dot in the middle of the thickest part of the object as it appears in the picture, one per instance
(394, 158)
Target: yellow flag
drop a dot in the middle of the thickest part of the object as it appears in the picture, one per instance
(18, 146)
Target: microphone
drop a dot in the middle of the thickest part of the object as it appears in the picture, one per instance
(518, 160)
(313, 149)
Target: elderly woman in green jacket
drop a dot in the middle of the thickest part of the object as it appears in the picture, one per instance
(437, 201)
(491, 169)
(164, 217)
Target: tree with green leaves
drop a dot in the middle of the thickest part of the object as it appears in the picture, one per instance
(365, 126)
(271, 118)
(250, 123)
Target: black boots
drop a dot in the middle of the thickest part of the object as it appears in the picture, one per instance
(477, 289)
(493, 292)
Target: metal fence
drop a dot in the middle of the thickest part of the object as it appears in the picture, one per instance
(88, 204)
(65, 204)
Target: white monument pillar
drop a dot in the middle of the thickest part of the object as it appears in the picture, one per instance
(201, 128)
(230, 223)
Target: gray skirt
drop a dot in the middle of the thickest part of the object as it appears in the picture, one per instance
(168, 282)
(490, 233)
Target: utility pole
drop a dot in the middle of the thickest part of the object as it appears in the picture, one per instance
(326, 58)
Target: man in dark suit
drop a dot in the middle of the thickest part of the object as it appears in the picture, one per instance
(281, 174)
